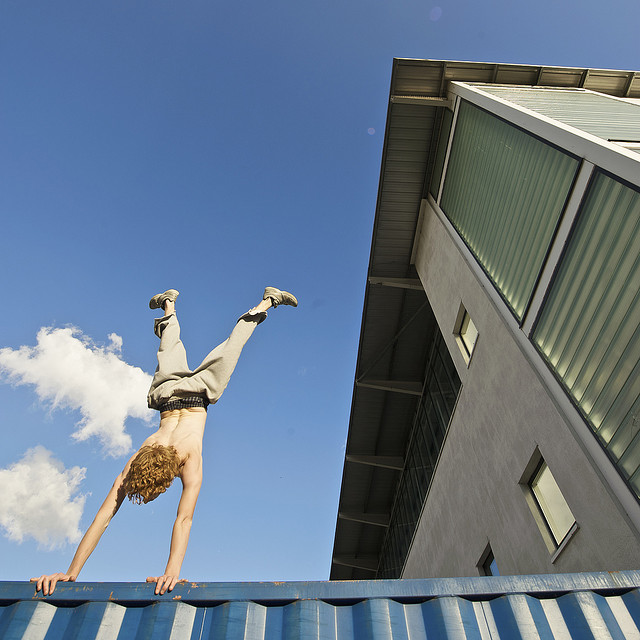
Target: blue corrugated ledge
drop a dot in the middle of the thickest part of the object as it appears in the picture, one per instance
(587, 605)
(336, 592)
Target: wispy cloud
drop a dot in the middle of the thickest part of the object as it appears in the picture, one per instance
(39, 500)
(70, 371)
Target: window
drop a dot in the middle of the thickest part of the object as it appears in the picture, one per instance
(504, 191)
(552, 503)
(548, 506)
(466, 334)
(431, 421)
(487, 565)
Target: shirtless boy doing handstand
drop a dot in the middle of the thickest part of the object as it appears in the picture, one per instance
(175, 449)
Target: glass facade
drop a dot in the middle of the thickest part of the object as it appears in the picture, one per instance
(504, 192)
(435, 408)
(588, 330)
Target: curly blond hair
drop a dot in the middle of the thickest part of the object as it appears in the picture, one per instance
(151, 473)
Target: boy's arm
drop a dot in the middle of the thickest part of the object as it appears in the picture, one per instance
(191, 483)
(90, 539)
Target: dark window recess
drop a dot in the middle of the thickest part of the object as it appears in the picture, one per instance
(489, 566)
(435, 408)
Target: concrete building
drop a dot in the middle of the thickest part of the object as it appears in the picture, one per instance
(495, 423)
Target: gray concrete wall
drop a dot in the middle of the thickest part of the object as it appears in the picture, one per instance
(504, 412)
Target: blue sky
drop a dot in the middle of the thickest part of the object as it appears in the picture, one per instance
(215, 148)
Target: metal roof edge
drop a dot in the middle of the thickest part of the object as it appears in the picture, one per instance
(347, 591)
(528, 65)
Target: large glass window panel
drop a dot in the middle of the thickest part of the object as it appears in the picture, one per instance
(504, 191)
(588, 330)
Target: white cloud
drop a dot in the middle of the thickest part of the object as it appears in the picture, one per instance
(70, 371)
(39, 499)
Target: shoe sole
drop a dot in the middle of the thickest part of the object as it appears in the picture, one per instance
(159, 299)
(281, 297)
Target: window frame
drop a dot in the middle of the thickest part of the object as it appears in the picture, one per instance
(466, 350)
(487, 559)
(531, 473)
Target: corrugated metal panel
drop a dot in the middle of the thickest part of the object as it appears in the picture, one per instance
(504, 191)
(403, 174)
(589, 329)
(594, 113)
(579, 605)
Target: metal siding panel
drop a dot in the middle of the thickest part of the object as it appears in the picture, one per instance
(414, 621)
(233, 620)
(520, 616)
(99, 620)
(26, 620)
(555, 619)
(612, 616)
(308, 619)
(371, 620)
(166, 621)
(630, 602)
(183, 620)
(582, 617)
(623, 618)
(600, 115)
(130, 623)
(451, 617)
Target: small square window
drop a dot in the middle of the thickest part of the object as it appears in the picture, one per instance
(466, 334)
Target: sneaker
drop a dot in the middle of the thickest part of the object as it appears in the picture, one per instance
(157, 302)
(279, 297)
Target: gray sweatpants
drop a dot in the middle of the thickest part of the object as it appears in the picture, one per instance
(173, 378)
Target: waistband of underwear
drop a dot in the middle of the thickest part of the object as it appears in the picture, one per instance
(189, 402)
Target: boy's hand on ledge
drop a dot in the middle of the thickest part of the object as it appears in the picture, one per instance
(48, 583)
(165, 583)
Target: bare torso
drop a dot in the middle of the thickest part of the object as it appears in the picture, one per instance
(182, 429)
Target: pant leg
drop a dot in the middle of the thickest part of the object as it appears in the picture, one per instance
(172, 356)
(211, 378)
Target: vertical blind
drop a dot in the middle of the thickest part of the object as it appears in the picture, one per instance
(504, 192)
(589, 326)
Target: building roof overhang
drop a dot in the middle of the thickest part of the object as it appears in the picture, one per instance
(396, 315)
